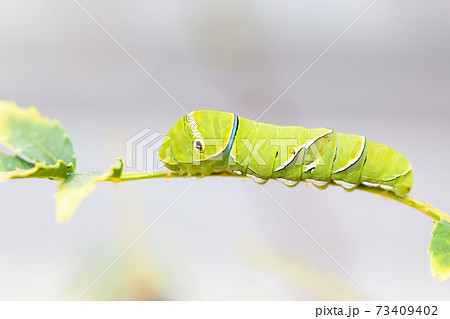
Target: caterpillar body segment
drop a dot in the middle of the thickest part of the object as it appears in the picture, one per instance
(204, 142)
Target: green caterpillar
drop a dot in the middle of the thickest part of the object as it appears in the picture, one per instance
(206, 142)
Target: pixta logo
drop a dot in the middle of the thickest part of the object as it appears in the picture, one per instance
(142, 151)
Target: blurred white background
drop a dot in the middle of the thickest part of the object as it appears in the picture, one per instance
(387, 78)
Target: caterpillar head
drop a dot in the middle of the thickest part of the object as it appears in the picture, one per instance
(198, 142)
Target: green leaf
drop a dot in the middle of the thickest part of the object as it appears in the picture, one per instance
(10, 163)
(79, 185)
(38, 138)
(15, 167)
(440, 250)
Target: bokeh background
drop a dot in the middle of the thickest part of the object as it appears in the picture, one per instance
(388, 78)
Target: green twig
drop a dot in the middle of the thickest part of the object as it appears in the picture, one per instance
(425, 208)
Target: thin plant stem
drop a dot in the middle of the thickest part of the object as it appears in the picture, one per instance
(423, 207)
